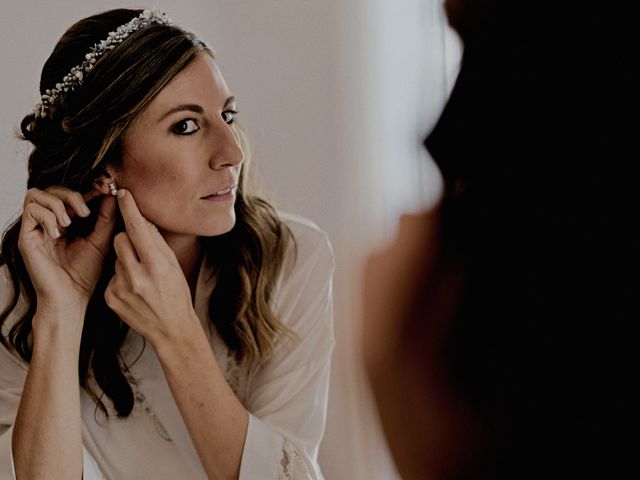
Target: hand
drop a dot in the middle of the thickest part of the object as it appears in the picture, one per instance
(149, 290)
(64, 273)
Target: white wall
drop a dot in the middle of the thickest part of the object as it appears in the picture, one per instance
(336, 95)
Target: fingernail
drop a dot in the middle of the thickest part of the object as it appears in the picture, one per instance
(85, 210)
(121, 193)
(56, 233)
(66, 221)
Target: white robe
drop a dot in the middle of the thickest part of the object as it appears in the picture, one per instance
(286, 397)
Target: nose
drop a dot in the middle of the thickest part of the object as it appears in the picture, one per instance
(226, 151)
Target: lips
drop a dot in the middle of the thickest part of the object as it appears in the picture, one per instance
(221, 193)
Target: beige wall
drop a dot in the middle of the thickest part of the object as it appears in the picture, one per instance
(336, 95)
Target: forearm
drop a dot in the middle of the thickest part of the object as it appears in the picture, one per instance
(216, 420)
(47, 435)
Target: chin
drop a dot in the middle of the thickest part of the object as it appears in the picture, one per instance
(218, 227)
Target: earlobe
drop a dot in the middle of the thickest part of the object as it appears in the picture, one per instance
(105, 184)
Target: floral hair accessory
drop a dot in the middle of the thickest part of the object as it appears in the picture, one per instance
(76, 76)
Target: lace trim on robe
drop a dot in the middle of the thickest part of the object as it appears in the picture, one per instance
(234, 374)
(291, 464)
(140, 402)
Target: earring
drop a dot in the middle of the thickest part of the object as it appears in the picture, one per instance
(113, 189)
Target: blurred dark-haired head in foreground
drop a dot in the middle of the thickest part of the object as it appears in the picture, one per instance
(498, 326)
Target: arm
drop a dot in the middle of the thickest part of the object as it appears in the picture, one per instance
(41, 392)
(288, 393)
(47, 435)
(216, 420)
(149, 292)
(40, 406)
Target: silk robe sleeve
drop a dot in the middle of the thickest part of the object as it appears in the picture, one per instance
(288, 394)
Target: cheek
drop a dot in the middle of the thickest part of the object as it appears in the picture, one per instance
(164, 177)
(149, 172)
(153, 185)
(159, 188)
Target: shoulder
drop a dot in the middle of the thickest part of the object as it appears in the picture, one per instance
(303, 294)
(307, 272)
(310, 244)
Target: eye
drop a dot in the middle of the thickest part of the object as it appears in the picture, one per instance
(229, 116)
(185, 127)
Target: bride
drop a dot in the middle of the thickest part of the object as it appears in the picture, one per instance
(159, 321)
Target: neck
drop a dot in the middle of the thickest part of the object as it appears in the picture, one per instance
(189, 254)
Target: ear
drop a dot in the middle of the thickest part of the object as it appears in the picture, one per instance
(102, 182)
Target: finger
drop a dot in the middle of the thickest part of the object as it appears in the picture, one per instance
(158, 238)
(36, 215)
(51, 202)
(29, 196)
(109, 293)
(136, 226)
(119, 271)
(75, 200)
(123, 278)
(103, 229)
(119, 283)
(93, 193)
(126, 253)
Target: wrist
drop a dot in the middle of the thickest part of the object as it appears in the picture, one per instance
(62, 326)
(187, 338)
(62, 307)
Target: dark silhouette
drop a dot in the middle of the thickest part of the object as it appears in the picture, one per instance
(521, 325)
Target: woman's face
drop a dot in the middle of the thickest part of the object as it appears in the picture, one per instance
(181, 160)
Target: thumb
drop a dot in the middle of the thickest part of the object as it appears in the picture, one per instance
(103, 231)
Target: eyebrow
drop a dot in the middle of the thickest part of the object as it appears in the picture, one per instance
(192, 107)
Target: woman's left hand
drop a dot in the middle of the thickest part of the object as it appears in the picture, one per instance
(148, 291)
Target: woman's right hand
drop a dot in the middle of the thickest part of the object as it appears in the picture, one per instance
(64, 274)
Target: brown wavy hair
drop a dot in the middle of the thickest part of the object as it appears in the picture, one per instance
(72, 146)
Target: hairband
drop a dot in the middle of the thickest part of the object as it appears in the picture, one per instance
(75, 77)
